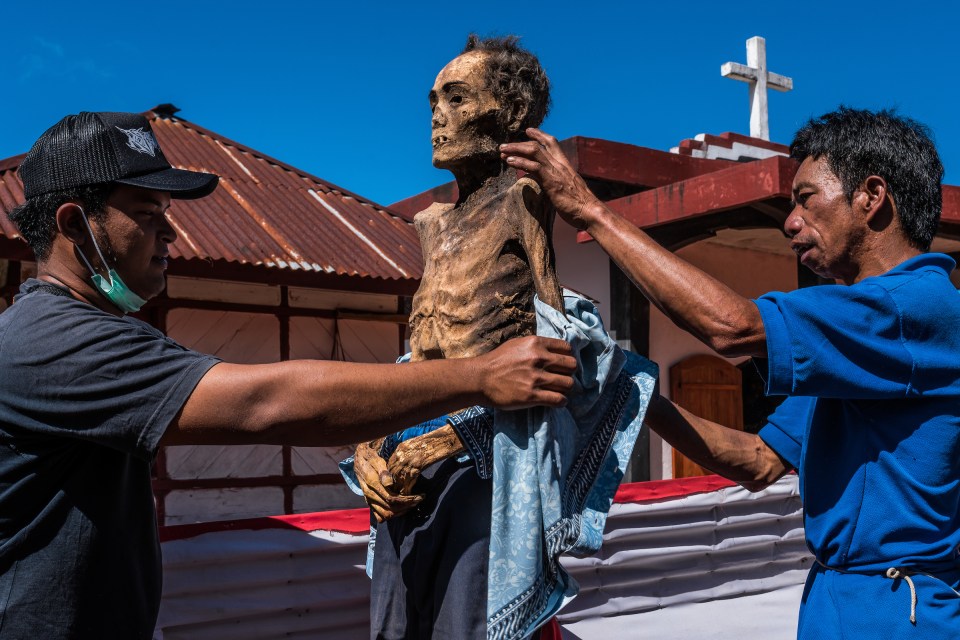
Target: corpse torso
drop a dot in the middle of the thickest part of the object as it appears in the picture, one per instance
(483, 263)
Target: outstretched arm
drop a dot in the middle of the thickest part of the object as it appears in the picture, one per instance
(320, 403)
(705, 307)
(741, 457)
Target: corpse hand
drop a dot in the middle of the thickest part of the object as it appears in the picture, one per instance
(416, 454)
(527, 372)
(375, 480)
(545, 161)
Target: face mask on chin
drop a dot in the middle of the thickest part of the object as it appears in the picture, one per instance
(113, 289)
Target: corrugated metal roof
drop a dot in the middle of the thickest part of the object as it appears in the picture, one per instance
(265, 212)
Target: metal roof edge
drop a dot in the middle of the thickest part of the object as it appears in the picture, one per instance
(270, 159)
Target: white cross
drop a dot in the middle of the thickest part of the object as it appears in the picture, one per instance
(755, 73)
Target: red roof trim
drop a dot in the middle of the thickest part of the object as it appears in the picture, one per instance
(12, 162)
(731, 137)
(357, 521)
(737, 186)
(596, 159)
(951, 204)
(638, 166)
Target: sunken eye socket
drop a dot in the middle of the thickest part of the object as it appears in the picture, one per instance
(456, 99)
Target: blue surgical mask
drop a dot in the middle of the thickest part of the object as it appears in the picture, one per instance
(113, 289)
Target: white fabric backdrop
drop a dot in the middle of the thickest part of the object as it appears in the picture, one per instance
(723, 564)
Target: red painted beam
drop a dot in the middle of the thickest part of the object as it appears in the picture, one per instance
(12, 162)
(951, 204)
(409, 207)
(15, 249)
(737, 186)
(629, 164)
(596, 159)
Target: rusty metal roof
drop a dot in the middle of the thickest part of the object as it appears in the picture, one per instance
(265, 213)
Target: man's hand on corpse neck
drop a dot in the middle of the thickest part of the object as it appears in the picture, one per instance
(544, 160)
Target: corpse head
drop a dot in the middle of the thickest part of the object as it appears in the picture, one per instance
(488, 95)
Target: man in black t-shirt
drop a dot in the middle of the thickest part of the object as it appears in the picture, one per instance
(88, 394)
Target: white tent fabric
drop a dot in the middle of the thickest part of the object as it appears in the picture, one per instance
(253, 584)
(719, 564)
(723, 564)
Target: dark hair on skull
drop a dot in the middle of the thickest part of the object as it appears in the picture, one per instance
(858, 144)
(514, 75)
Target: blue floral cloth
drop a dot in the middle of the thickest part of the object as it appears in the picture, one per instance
(555, 471)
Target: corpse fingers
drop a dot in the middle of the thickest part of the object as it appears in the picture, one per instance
(374, 480)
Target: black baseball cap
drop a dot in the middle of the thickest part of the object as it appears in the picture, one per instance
(97, 148)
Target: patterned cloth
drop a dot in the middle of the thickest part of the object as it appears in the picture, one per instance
(555, 471)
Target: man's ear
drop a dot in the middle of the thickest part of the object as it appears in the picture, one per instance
(70, 223)
(872, 197)
(518, 112)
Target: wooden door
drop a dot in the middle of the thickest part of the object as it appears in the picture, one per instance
(711, 388)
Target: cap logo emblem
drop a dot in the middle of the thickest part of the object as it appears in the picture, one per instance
(141, 141)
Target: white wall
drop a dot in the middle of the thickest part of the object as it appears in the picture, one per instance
(583, 267)
(749, 273)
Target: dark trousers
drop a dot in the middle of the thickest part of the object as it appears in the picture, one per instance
(430, 565)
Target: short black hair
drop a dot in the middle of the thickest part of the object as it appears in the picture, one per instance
(858, 144)
(36, 219)
(513, 74)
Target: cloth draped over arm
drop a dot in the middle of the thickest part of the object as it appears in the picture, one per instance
(556, 471)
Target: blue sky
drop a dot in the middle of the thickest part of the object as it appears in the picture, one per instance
(340, 89)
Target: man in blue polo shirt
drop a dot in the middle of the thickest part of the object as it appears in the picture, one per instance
(871, 369)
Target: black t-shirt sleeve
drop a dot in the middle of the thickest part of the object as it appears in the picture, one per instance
(71, 370)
